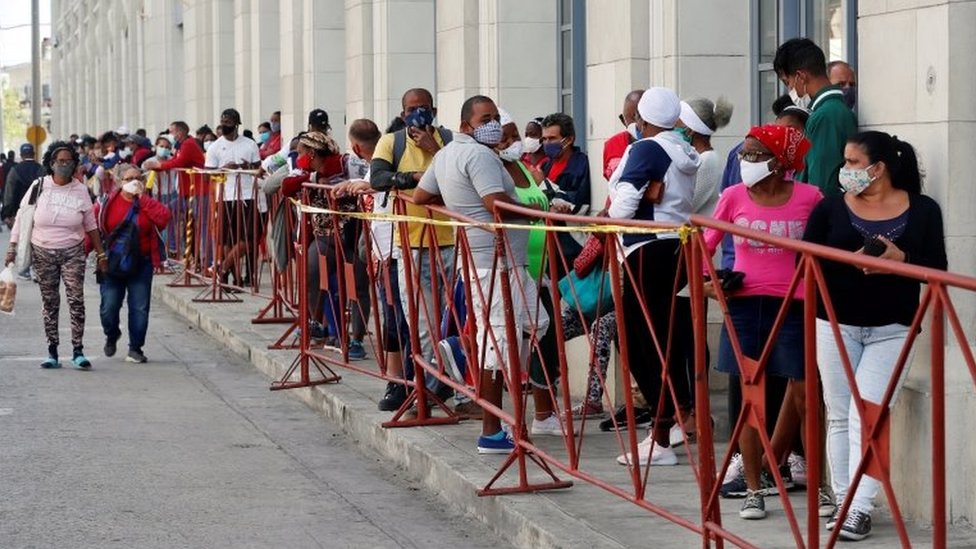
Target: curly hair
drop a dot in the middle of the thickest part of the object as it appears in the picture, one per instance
(53, 150)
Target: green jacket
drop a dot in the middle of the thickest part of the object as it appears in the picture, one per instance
(829, 127)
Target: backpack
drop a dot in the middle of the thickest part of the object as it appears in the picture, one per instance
(122, 245)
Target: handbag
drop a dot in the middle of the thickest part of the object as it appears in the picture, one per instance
(591, 295)
(589, 256)
(25, 218)
(122, 245)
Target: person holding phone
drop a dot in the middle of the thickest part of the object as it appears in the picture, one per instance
(882, 213)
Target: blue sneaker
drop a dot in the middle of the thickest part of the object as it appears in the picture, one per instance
(498, 443)
(456, 364)
(356, 350)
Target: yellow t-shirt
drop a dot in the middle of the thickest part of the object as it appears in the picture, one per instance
(415, 159)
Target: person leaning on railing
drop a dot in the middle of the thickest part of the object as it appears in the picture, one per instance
(882, 213)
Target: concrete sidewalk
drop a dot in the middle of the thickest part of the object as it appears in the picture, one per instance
(445, 460)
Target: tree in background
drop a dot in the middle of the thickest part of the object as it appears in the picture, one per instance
(15, 120)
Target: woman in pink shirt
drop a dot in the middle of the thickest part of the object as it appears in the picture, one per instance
(62, 217)
(770, 202)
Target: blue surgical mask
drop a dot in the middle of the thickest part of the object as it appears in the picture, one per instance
(553, 150)
(162, 152)
(275, 127)
(420, 117)
(263, 137)
(489, 133)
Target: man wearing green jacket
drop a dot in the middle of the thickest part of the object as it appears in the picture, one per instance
(801, 66)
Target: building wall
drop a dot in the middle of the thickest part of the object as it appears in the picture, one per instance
(146, 62)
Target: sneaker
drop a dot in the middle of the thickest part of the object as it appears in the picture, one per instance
(444, 393)
(648, 451)
(832, 521)
(456, 363)
(549, 426)
(737, 488)
(826, 505)
(315, 330)
(735, 468)
(136, 357)
(50, 363)
(754, 506)
(81, 363)
(677, 439)
(642, 419)
(857, 526)
(798, 469)
(396, 394)
(109, 348)
(499, 443)
(588, 409)
(468, 410)
(356, 350)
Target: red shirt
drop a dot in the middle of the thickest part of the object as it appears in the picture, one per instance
(188, 155)
(557, 168)
(152, 215)
(613, 151)
(271, 146)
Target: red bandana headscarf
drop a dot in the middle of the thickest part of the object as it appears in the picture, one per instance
(787, 144)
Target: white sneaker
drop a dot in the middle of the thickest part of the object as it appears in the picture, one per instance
(735, 468)
(648, 451)
(549, 426)
(798, 469)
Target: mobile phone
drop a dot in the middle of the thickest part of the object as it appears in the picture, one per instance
(874, 246)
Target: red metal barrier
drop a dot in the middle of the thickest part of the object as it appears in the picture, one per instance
(694, 263)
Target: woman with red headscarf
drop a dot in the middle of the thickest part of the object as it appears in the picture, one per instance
(767, 200)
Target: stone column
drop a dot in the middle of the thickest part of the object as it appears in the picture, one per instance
(459, 58)
(323, 81)
(266, 60)
(293, 115)
(359, 61)
(920, 87)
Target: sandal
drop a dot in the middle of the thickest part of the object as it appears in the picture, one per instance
(81, 363)
(50, 363)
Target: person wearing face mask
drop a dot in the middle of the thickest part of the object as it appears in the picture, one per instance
(138, 149)
(401, 158)
(272, 143)
(613, 148)
(768, 201)
(128, 206)
(532, 153)
(62, 218)
(469, 178)
(655, 181)
(881, 213)
(699, 120)
(232, 152)
(800, 65)
(264, 133)
(567, 169)
(842, 74)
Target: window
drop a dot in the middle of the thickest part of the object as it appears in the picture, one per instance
(572, 64)
(831, 24)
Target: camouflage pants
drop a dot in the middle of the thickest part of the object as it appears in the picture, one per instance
(52, 267)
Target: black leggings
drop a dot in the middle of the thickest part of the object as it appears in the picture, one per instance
(654, 267)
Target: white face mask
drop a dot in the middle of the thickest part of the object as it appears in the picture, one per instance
(800, 101)
(511, 153)
(753, 172)
(132, 187)
(530, 145)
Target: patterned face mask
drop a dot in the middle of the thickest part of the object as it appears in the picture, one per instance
(489, 133)
(854, 181)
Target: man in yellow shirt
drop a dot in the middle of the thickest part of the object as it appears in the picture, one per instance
(399, 161)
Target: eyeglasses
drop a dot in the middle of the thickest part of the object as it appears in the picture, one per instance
(127, 179)
(754, 156)
(63, 162)
(622, 120)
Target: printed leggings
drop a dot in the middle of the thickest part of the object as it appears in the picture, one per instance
(603, 334)
(52, 267)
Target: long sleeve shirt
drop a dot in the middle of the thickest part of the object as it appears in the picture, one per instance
(830, 125)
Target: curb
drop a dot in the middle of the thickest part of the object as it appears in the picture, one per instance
(525, 520)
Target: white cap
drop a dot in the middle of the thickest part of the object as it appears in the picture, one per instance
(122, 130)
(660, 107)
(504, 117)
(693, 121)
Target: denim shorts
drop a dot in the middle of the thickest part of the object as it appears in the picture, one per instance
(753, 318)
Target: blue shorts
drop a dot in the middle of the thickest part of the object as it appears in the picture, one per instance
(753, 318)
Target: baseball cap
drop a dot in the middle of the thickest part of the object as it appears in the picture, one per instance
(318, 117)
(232, 114)
(26, 149)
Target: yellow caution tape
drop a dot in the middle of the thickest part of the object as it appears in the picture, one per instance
(684, 231)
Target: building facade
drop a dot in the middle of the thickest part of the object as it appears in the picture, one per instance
(145, 63)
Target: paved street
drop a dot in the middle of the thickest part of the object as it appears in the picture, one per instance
(190, 450)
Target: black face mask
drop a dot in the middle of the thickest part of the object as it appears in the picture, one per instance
(227, 130)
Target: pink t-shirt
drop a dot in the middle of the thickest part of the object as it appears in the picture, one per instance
(768, 269)
(62, 217)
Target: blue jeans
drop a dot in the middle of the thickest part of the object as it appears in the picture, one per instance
(422, 262)
(113, 291)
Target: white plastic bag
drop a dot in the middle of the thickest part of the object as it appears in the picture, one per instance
(8, 290)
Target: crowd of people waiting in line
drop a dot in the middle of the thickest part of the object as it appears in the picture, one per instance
(809, 175)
